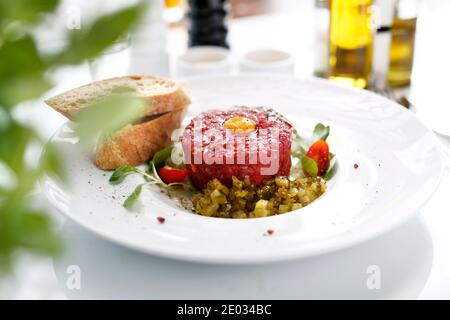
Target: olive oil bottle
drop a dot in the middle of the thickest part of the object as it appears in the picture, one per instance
(402, 44)
(351, 42)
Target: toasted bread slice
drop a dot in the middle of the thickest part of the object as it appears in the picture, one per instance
(136, 143)
(162, 95)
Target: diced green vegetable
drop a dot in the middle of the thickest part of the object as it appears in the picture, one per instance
(218, 197)
(283, 208)
(261, 208)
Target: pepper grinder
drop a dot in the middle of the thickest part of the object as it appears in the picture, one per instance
(207, 23)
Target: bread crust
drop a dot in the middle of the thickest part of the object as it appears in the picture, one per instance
(168, 102)
(166, 96)
(136, 144)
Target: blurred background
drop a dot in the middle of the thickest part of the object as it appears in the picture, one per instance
(396, 48)
(393, 47)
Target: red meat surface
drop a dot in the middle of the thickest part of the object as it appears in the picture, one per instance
(237, 154)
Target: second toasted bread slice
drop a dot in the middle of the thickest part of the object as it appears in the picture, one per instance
(137, 143)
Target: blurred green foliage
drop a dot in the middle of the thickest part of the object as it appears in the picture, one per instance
(121, 109)
(24, 75)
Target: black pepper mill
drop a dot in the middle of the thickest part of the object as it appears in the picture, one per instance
(206, 23)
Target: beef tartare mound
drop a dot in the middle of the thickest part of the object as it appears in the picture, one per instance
(252, 143)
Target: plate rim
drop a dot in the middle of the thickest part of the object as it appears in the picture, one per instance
(345, 240)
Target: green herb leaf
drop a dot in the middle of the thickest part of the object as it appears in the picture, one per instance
(22, 75)
(119, 175)
(26, 10)
(50, 162)
(38, 233)
(24, 88)
(25, 229)
(159, 159)
(25, 73)
(320, 132)
(90, 41)
(309, 166)
(13, 144)
(299, 146)
(119, 109)
(28, 62)
(298, 153)
(133, 197)
(332, 168)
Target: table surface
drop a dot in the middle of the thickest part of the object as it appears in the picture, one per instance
(413, 260)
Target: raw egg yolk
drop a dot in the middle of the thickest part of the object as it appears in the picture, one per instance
(240, 125)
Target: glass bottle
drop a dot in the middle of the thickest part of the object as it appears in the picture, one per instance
(351, 42)
(402, 44)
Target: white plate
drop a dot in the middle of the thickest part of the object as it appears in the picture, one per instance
(399, 166)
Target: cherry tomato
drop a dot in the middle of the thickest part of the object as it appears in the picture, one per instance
(170, 175)
(319, 152)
